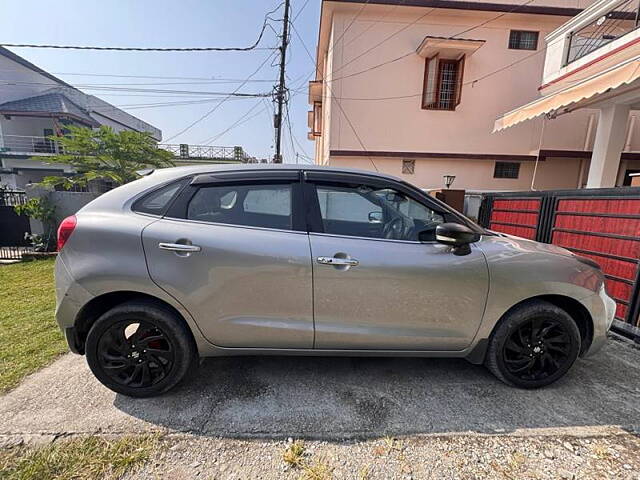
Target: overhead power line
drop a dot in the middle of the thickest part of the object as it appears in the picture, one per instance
(150, 90)
(344, 113)
(143, 49)
(208, 113)
(254, 46)
(157, 77)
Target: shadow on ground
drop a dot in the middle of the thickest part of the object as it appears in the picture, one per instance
(370, 397)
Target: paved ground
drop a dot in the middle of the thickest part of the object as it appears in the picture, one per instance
(332, 399)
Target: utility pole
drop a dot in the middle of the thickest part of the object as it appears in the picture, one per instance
(282, 90)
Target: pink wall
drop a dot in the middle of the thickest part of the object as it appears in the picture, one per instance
(471, 174)
(382, 33)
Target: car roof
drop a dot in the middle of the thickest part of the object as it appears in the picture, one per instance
(120, 197)
(210, 168)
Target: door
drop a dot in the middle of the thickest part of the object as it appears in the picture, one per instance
(233, 253)
(375, 285)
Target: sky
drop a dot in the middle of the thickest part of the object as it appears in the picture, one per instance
(171, 23)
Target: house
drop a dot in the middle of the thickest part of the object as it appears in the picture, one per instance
(413, 88)
(35, 104)
(592, 63)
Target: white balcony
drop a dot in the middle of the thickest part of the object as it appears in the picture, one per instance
(601, 37)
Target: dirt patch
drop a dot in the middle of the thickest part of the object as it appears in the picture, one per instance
(455, 457)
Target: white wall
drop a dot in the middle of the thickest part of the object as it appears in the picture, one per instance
(25, 126)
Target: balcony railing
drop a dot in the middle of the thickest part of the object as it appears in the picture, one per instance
(207, 152)
(30, 145)
(617, 22)
(20, 144)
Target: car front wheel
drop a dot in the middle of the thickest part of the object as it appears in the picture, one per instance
(534, 345)
(140, 349)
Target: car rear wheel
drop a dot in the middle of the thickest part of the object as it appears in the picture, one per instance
(140, 349)
(534, 345)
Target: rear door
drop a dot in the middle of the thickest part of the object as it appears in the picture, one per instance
(233, 249)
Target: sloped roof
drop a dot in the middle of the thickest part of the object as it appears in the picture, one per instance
(18, 59)
(53, 103)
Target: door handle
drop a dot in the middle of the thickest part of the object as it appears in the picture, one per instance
(338, 262)
(179, 247)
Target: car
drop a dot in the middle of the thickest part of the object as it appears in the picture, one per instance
(215, 260)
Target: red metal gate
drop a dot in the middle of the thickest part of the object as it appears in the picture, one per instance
(602, 224)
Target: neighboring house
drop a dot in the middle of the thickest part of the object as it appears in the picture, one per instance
(593, 62)
(35, 104)
(413, 88)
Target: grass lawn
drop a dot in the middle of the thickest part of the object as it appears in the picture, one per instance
(29, 336)
(81, 459)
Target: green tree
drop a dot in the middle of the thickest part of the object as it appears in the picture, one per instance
(104, 154)
(40, 209)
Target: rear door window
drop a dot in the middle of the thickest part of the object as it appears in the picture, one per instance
(260, 205)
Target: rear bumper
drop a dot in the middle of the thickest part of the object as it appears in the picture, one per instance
(75, 345)
(70, 298)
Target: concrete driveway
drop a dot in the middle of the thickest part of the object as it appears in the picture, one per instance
(331, 398)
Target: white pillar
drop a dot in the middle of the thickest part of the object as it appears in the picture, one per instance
(608, 146)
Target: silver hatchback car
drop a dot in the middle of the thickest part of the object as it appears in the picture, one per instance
(285, 260)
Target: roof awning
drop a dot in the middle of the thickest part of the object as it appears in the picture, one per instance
(448, 47)
(575, 95)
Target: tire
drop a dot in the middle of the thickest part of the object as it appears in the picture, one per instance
(533, 345)
(163, 357)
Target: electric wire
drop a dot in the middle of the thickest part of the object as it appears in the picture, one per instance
(253, 46)
(208, 113)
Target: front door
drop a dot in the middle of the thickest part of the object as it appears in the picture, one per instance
(232, 254)
(375, 285)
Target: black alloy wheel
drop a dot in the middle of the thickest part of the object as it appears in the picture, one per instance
(140, 349)
(537, 349)
(533, 345)
(135, 353)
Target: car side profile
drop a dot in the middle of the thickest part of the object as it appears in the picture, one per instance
(216, 260)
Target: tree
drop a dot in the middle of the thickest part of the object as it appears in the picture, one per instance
(104, 154)
(40, 209)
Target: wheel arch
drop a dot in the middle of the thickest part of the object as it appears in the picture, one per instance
(573, 307)
(99, 305)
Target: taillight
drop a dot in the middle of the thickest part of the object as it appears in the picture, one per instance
(65, 230)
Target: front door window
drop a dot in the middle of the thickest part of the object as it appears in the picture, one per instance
(372, 212)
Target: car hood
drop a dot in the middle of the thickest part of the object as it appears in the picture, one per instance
(531, 246)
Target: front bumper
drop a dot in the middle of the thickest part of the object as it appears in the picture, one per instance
(602, 309)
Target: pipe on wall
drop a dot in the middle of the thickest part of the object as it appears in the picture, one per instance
(631, 127)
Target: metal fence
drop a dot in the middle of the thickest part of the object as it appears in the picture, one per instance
(14, 253)
(28, 144)
(602, 224)
(12, 226)
(206, 152)
(11, 198)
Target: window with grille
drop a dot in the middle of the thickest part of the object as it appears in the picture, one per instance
(506, 170)
(442, 89)
(523, 40)
(408, 166)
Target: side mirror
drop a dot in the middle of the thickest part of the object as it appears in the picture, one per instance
(457, 236)
(375, 217)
